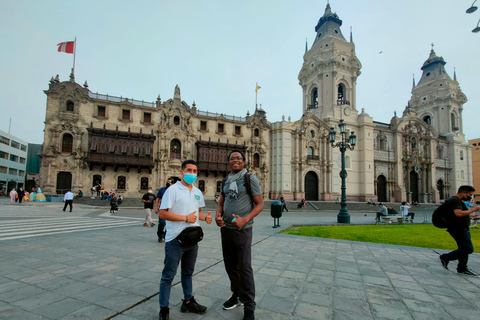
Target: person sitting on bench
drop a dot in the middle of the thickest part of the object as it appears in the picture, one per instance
(383, 211)
(404, 211)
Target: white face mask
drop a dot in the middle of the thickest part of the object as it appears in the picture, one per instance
(150, 191)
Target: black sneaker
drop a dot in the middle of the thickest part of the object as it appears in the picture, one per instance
(444, 262)
(232, 303)
(192, 306)
(164, 313)
(248, 315)
(469, 273)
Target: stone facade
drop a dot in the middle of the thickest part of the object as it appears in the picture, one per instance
(421, 156)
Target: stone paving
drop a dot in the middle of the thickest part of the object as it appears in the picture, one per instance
(114, 274)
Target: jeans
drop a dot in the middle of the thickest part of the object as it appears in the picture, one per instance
(237, 255)
(161, 232)
(68, 203)
(465, 247)
(174, 253)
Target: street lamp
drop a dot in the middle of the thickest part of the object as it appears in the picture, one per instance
(472, 8)
(343, 216)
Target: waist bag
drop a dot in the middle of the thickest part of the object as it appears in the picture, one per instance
(190, 236)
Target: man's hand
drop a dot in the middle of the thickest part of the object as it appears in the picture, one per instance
(475, 209)
(191, 218)
(156, 210)
(209, 218)
(239, 221)
(219, 220)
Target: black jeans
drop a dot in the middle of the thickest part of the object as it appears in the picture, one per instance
(237, 255)
(68, 203)
(465, 247)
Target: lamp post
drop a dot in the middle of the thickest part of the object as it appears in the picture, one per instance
(343, 216)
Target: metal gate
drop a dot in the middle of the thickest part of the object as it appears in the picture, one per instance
(382, 188)
(311, 186)
(64, 182)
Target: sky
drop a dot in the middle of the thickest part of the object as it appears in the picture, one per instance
(217, 50)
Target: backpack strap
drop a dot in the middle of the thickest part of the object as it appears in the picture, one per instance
(223, 188)
(248, 185)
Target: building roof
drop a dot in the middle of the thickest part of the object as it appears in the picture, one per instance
(433, 68)
(328, 26)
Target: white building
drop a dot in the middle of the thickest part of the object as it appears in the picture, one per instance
(13, 161)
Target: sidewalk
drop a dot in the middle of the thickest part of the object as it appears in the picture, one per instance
(114, 274)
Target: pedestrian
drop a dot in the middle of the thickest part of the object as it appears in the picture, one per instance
(93, 192)
(404, 211)
(240, 201)
(113, 204)
(98, 188)
(148, 200)
(20, 194)
(68, 199)
(181, 208)
(161, 222)
(284, 204)
(13, 195)
(458, 218)
(382, 211)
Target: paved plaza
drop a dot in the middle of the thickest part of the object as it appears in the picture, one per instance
(89, 264)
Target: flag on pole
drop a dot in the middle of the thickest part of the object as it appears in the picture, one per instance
(67, 47)
(256, 88)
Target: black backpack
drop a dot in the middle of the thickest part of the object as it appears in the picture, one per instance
(439, 216)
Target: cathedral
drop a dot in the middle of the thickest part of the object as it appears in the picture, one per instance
(128, 145)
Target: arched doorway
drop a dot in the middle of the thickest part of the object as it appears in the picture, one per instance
(311, 186)
(441, 188)
(64, 182)
(414, 185)
(382, 188)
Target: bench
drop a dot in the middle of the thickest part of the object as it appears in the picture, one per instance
(385, 219)
(390, 219)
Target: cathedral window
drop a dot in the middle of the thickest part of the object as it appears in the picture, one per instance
(427, 119)
(256, 160)
(461, 154)
(453, 122)
(144, 183)
(341, 95)
(463, 174)
(176, 120)
(121, 182)
(147, 117)
(310, 152)
(414, 143)
(256, 132)
(201, 185)
(383, 143)
(315, 98)
(70, 106)
(175, 149)
(67, 143)
(312, 134)
(97, 179)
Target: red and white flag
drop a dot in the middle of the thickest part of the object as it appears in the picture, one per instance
(66, 47)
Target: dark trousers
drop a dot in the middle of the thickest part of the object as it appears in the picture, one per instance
(20, 199)
(379, 214)
(174, 254)
(161, 228)
(237, 256)
(465, 247)
(68, 203)
(411, 214)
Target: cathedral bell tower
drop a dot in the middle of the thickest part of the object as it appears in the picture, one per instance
(330, 69)
(437, 99)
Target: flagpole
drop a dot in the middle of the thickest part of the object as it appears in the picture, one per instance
(74, 52)
(256, 93)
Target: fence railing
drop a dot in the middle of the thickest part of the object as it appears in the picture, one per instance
(217, 115)
(120, 99)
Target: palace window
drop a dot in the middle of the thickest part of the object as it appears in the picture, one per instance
(144, 183)
(147, 117)
(256, 160)
(175, 149)
(238, 130)
(70, 106)
(121, 183)
(67, 143)
(201, 185)
(220, 128)
(101, 111)
(203, 125)
(125, 114)
(219, 186)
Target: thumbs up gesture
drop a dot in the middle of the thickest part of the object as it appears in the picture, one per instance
(209, 218)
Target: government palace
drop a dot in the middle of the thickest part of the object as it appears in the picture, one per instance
(128, 145)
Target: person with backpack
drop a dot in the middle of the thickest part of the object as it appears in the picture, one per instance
(240, 201)
(456, 217)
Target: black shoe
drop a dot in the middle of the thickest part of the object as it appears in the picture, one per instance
(232, 303)
(444, 263)
(467, 272)
(192, 306)
(164, 313)
(248, 315)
